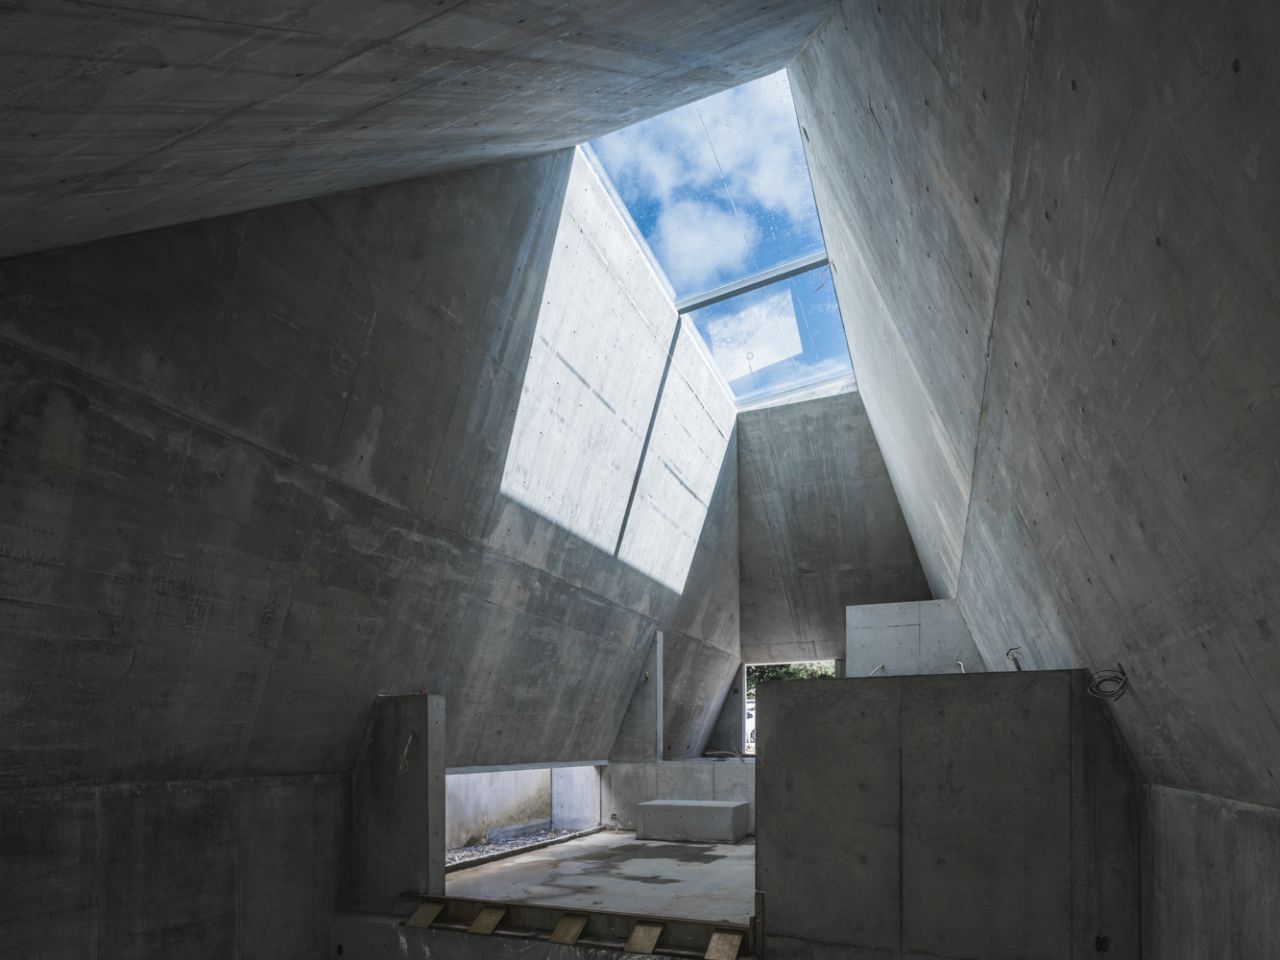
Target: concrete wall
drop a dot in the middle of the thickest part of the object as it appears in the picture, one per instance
(909, 639)
(990, 815)
(497, 804)
(207, 869)
(253, 472)
(1053, 245)
(623, 785)
(1212, 877)
(1053, 242)
(127, 118)
(575, 798)
(820, 528)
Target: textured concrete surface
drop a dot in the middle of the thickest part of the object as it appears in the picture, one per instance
(217, 869)
(615, 871)
(495, 804)
(989, 815)
(1053, 240)
(122, 118)
(575, 798)
(251, 479)
(1212, 877)
(820, 528)
(624, 785)
(928, 636)
(640, 733)
(694, 821)
(398, 803)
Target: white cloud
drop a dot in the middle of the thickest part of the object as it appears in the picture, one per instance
(758, 336)
(697, 242)
(743, 142)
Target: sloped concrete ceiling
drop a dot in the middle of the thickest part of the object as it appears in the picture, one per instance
(118, 118)
(1054, 230)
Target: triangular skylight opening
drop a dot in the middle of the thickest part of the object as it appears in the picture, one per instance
(719, 192)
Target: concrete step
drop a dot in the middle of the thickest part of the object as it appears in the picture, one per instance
(709, 821)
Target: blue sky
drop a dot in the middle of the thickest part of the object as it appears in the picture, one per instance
(720, 190)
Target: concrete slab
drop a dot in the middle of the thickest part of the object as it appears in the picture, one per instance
(616, 871)
(694, 820)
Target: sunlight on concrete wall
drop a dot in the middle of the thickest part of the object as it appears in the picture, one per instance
(594, 370)
(594, 375)
(690, 436)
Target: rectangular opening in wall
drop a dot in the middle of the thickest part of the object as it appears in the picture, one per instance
(496, 813)
(758, 673)
(718, 192)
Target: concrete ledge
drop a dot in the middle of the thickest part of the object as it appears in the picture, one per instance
(710, 821)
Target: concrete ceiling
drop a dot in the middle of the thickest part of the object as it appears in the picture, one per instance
(118, 119)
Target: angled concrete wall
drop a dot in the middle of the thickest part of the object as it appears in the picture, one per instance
(253, 470)
(1053, 240)
(244, 869)
(820, 528)
(1212, 877)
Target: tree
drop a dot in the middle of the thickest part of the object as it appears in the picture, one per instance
(760, 673)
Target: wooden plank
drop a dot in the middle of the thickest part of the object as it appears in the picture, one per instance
(644, 937)
(723, 946)
(426, 914)
(568, 929)
(486, 920)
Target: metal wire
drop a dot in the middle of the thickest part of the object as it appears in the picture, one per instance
(1109, 684)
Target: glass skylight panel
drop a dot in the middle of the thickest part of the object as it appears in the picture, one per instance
(777, 339)
(719, 191)
(718, 188)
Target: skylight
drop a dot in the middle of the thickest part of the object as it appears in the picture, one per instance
(720, 192)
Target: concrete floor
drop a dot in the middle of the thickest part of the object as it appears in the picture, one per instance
(615, 871)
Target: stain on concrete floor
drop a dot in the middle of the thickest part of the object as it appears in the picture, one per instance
(615, 871)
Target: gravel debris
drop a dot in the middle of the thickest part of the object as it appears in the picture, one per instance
(489, 848)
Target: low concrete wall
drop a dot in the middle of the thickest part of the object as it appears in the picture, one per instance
(234, 869)
(623, 785)
(990, 815)
(1211, 877)
(909, 639)
(497, 805)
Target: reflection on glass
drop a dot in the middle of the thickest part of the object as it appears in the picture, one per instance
(718, 188)
(777, 339)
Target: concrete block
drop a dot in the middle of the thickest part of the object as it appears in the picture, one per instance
(986, 826)
(828, 772)
(398, 797)
(939, 612)
(897, 647)
(712, 821)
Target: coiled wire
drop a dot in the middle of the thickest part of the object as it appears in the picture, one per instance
(1109, 684)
